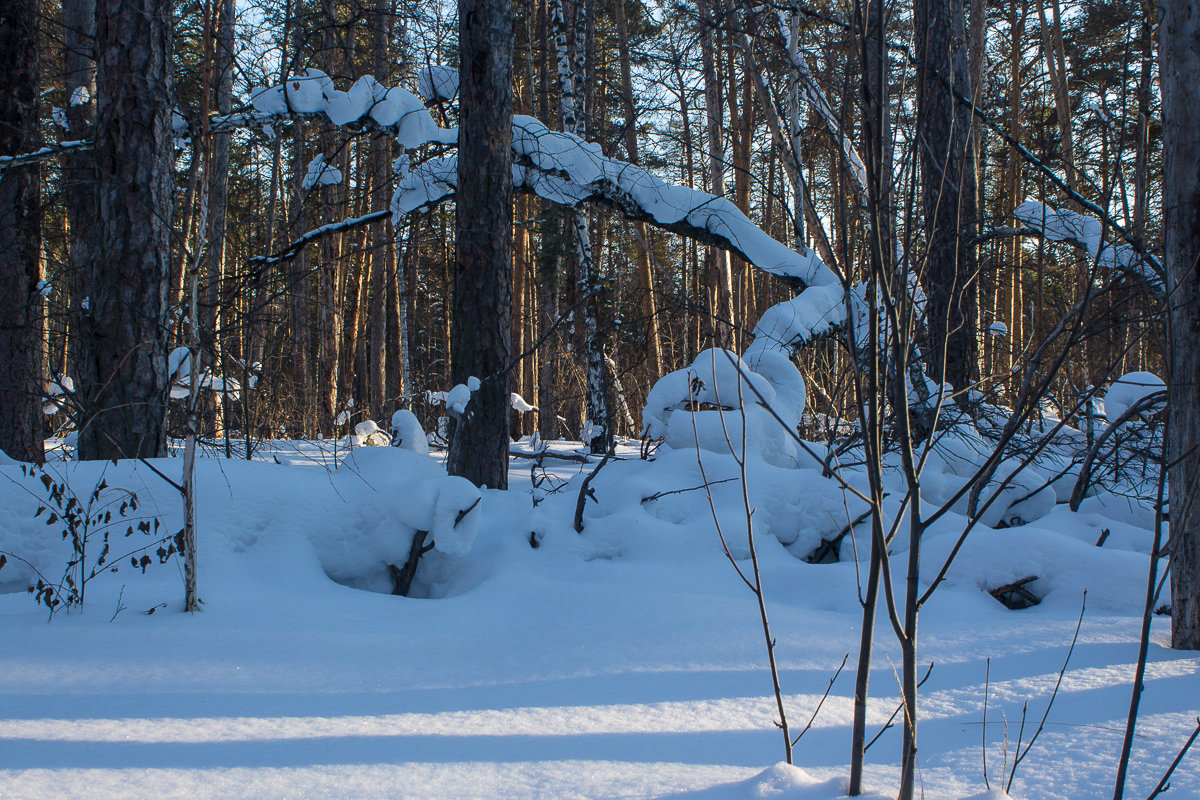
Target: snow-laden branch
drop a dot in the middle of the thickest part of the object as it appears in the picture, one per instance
(1087, 233)
(564, 169)
(44, 153)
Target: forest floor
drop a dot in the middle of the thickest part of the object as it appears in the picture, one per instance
(624, 662)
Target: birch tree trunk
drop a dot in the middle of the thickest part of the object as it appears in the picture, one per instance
(483, 241)
(124, 375)
(572, 115)
(1179, 53)
(20, 238)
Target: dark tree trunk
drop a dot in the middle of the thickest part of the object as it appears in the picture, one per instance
(124, 374)
(79, 168)
(20, 237)
(947, 188)
(1179, 51)
(383, 234)
(483, 241)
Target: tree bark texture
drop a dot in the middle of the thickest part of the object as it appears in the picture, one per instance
(1179, 53)
(20, 238)
(483, 241)
(947, 188)
(125, 371)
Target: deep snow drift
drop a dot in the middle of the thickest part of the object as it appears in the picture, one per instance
(623, 662)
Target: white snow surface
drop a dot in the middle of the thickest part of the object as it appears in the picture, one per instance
(623, 662)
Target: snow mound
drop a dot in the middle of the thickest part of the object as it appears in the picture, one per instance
(783, 782)
(1128, 390)
(721, 394)
(407, 432)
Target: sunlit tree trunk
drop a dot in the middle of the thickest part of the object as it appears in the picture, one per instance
(123, 377)
(483, 241)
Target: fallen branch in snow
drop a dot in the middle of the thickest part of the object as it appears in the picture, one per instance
(577, 457)
(1014, 595)
(402, 577)
(829, 547)
(657, 495)
(585, 492)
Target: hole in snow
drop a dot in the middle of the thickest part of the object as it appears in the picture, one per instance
(1016, 595)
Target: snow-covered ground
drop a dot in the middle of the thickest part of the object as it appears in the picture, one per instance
(623, 662)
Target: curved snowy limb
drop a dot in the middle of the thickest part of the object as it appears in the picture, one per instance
(1087, 233)
(565, 169)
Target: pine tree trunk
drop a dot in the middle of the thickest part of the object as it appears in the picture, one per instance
(124, 380)
(329, 318)
(218, 201)
(483, 241)
(21, 301)
(383, 234)
(1179, 51)
(718, 272)
(948, 189)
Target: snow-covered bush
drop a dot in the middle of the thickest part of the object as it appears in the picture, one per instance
(411, 493)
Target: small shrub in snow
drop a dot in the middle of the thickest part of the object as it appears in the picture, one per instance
(86, 525)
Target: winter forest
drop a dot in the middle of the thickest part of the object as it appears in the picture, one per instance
(600, 399)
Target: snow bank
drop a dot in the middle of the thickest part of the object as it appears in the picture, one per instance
(351, 523)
